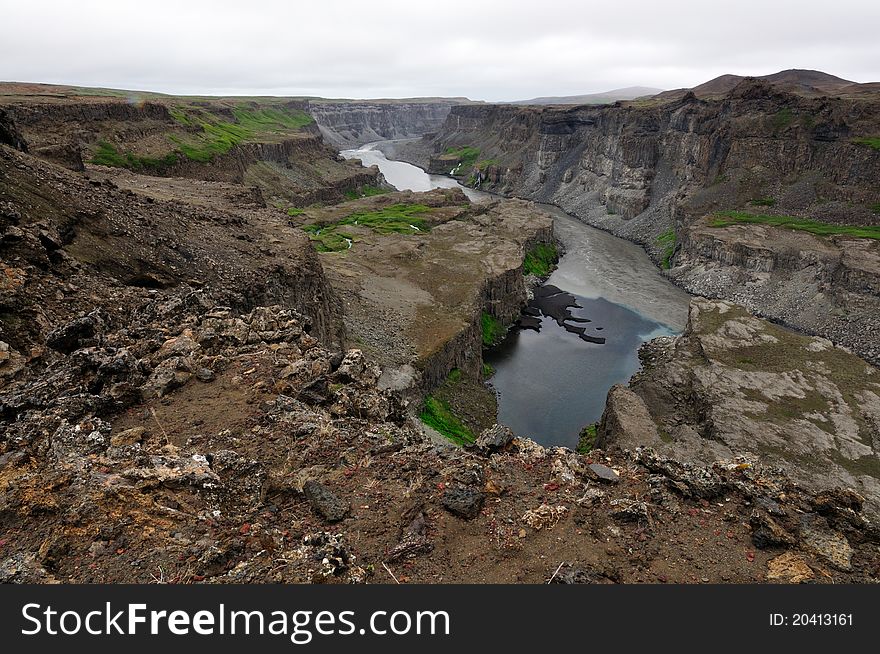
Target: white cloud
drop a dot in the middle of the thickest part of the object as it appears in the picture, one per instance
(486, 49)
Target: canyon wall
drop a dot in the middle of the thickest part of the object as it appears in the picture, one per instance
(350, 124)
(650, 171)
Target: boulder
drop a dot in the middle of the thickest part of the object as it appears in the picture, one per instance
(626, 421)
(325, 502)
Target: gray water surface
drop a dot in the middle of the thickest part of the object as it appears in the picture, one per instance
(551, 383)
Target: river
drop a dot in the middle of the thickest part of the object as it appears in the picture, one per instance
(551, 383)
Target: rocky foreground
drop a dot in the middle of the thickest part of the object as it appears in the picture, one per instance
(257, 455)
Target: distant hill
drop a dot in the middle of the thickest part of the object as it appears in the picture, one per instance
(606, 97)
(801, 82)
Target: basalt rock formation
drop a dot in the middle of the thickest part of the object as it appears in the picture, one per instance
(350, 123)
(654, 170)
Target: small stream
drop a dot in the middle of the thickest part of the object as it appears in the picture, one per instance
(552, 378)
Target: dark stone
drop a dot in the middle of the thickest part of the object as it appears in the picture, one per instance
(70, 337)
(325, 502)
(493, 439)
(204, 375)
(463, 502)
(766, 532)
(604, 473)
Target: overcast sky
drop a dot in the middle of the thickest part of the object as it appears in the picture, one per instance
(482, 49)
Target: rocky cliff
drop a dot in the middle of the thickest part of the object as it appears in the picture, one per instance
(651, 170)
(273, 145)
(353, 123)
(734, 383)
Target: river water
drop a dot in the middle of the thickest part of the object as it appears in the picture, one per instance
(551, 383)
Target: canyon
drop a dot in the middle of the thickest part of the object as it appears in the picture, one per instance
(218, 337)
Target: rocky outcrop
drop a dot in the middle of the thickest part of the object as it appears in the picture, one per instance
(414, 300)
(114, 243)
(825, 286)
(734, 384)
(347, 124)
(9, 134)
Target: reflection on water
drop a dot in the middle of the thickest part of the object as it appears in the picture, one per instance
(551, 383)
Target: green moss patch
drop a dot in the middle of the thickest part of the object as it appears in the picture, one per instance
(763, 202)
(869, 141)
(108, 155)
(540, 260)
(728, 218)
(666, 241)
(437, 415)
(493, 329)
(587, 439)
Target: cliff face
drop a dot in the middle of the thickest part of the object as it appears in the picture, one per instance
(350, 124)
(288, 159)
(651, 171)
(636, 168)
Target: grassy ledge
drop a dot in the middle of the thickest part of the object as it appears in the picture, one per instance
(728, 218)
(587, 439)
(108, 155)
(395, 219)
(540, 260)
(493, 330)
(367, 191)
(219, 137)
(437, 415)
(666, 240)
(467, 156)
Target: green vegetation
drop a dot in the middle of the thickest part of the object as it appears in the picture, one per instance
(437, 415)
(540, 260)
(293, 211)
(870, 141)
(728, 218)
(108, 155)
(666, 240)
(782, 119)
(763, 202)
(488, 370)
(454, 376)
(587, 439)
(493, 330)
(218, 137)
(395, 219)
(365, 192)
(329, 239)
(467, 155)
